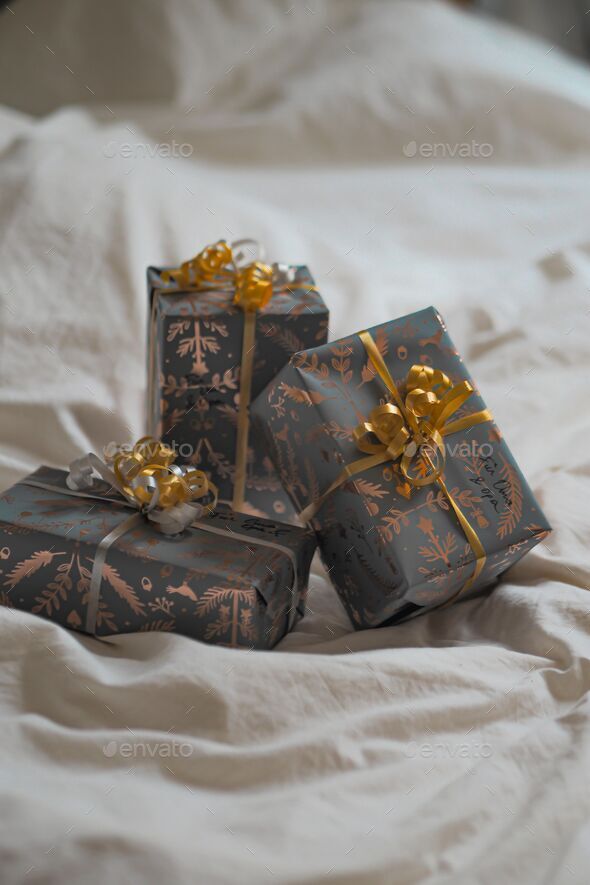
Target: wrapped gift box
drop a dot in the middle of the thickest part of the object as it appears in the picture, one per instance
(195, 357)
(393, 549)
(231, 579)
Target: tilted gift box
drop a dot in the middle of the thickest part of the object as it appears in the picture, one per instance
(197, 364)
(387, 448)
(231, 579)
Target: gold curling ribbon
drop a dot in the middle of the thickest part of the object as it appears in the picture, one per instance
(403, 429)
(149, 469)
(216, 268)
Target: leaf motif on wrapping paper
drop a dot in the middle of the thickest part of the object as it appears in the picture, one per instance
(177, 328)
(106, 618)
(311, 364)
(282, 336)
(439, 549)
(279, 407)
(186, 345)
(83, 584)
(226, 382)
(170, 386)
(56, 591)
(229, 602)
(370, 489)
(330, 428)
(367, 374)
(199, 344)
(29, 566)
(158, 626)
(512, 493)
(123, 589)
(221, 625)
(396, 517)
(300, 395)
(342, 365)
(160, 604)
(214, 596)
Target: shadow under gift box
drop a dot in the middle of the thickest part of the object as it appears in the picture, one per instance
(206, 582)
(194, 359)
(393, 550)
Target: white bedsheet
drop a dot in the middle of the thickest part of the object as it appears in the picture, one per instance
(455, 748)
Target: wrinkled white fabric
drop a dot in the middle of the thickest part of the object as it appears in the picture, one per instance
(454, 748)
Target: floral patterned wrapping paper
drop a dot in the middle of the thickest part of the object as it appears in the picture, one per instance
(218, 589)
(195, 352)
(393, 550)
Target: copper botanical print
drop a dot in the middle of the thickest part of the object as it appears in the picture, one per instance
(393, 546)
(195, 360)
(216, 587)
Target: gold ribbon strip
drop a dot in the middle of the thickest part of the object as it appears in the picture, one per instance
(224, 267)
(406, 428)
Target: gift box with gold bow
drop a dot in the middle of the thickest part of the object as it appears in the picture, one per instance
(388, 451)
(134, 546)
(221, 327)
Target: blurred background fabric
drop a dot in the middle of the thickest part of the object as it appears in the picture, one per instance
(411, 152)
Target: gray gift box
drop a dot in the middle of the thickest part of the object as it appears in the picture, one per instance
(392, 549)
(230, 579)
(195, 359)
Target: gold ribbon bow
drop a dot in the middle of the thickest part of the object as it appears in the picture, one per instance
(226, 267)
(149, 471)
(223, 266)
(413, 428)
(147, 478)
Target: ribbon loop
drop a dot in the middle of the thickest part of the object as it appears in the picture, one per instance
(147, 478)
(412, 431)
(386, 423)
(254, 286)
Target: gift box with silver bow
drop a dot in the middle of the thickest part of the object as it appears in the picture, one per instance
(388, 451)
(221, 327)
(86, 558)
